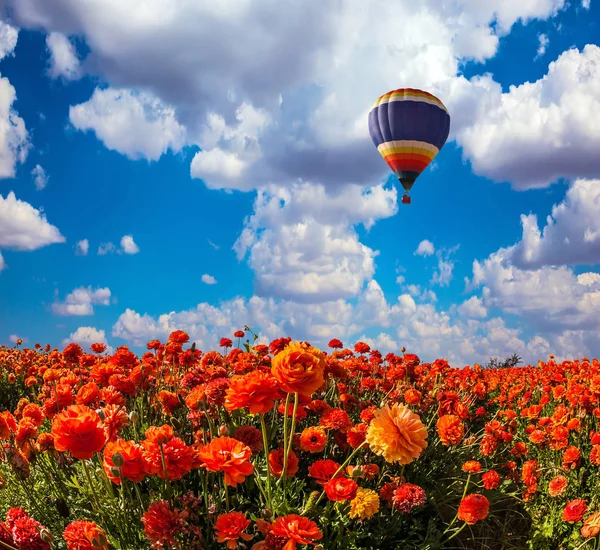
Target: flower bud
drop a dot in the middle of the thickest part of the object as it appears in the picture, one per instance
(46, 536)
(118, 460)
(134, 416)
(223, 430)
(99, 541)
(101, 414)
(115, 472)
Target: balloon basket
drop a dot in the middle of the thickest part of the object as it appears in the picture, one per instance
(406, 199)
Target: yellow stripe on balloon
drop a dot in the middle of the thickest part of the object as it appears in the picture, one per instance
(409, 96)
(408, 146)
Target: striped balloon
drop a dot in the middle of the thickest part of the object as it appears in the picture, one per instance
(408, 127)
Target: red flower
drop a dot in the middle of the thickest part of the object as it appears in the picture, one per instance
(227, 455)
(491, 479)
(557, 486)
(336, 419)
(296, 530)
(574, 510)
(230, 527)
(225, 343)
(323, 470)
(408, 496)
(126, 455)
(335, 343)
(257, 391)
(473, 508)
(340, 489)
(276, 459)
(162, 525)
(79, 430)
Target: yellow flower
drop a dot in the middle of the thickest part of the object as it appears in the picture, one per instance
(365, 504)
(397, 434)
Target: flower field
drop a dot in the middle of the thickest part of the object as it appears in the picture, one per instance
(286, 446)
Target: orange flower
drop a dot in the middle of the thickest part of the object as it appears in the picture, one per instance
(412, 396)
(296, 530)
(78, 429)
(591, 526)
(473, 508)
(471, 466)
(85, 535)
(557, 486)
(450, 429)
(171, 459)
(230, 527)
(340, 489)
(397, 434)
(276, 459)
(257, 391)
(313, 439)
(323, 470)
(227, 455)
(574, 510)
(127, 455)
(299, 368)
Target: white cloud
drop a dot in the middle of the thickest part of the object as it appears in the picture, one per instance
(209, 279)
(537, 132)
(81, 301)
(40, 179)
(13, 338)
(443, 273)
(136, 124)
(82, 247)
(106, 248)
(2, 263)
(8, 39)
(63, 57)
(425, 248)
(14, 139)
(215, 246)
(543, 44)
(571, 234)
(585, 4)
(128, 245)
(22, 227)
(86, 336)
(472, 308)
(302, 244)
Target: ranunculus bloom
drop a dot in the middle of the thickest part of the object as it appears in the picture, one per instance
(591, 526)
(323, 470)
(85, 535)
(299, 368)
(162, 525)
(408, 496)
(473, 508)
(313, 439)
(131, 455)
(296, 530)
(574, 510)
(557, 486)
(451, 429)
(257, 391)
(78, 429)
(227, 455)
(491, 480)
(397, 434)
(276, 459)
(340, 489)
(230, 527)
(365, 504)
(165, 455)
(471, 466)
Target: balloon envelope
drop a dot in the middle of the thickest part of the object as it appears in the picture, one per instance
(408, 127)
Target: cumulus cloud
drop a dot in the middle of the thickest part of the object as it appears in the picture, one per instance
(8, 39)
(128, 245)
(40, 179)
(571, 235)
(81, 301)
(82, 247)
(63, 57)
(543, 44)
(209, 279)
(537, 132)
(136, 124)
(302, 244)
(425, 248)
(472, 308)
(23, 227)
(445, 267)
(14, 139)
(86, 336)
(106, 248)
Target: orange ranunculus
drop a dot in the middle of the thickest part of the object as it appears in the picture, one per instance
(471, 466)
(340, 488)
(78, 429)
(296, 530)
(313, 439)
(85, 535)
(591, 526)
(473, 508)
(227, 455)
(276, 459)
(172, 459)
(299, 368)
(323, 470)
(412, 396)
(126, 455)
(230, 527)
(557, 486)
(397, 434)
(257, 391)
(451, 429)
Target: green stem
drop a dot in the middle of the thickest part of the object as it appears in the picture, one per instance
(89, 480)
(266, 449)
(288, 447)
(456, 532)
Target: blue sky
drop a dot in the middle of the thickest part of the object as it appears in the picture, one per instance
(219, 157)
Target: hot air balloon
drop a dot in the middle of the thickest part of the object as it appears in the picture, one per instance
(408, 127)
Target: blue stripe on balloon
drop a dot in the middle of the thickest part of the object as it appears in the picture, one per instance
(409, 120)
